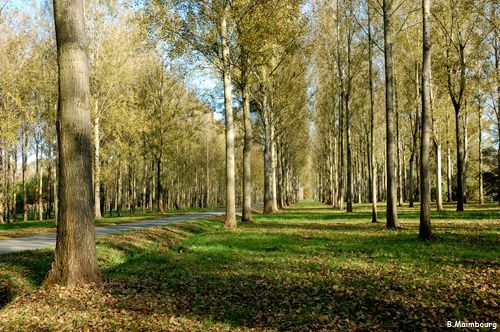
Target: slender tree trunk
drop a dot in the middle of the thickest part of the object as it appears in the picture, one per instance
(439, 181)
(392, 216)
(14, 185)
(460, 191)
(2, 184)
(75, 261)
(269, 203)
(48, 212)
(247, 157)
(425, 172)
(159, 188)
(97, 166)
(449, 170)
(340, 162)
(398, 145)
(230, 221)
(56, 184)
(37, 177)
(373, 169)
(480, 154)
(466, 151)
(144, 187)
(40, 194)
(24, 167)
(273, 168)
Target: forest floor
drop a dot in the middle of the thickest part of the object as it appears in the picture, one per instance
(306, 268)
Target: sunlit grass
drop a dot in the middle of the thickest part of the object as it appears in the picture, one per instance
(306, 268)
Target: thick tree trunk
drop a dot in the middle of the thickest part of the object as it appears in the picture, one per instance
(75, 261)
(230, 221)
(425, 172)
(392, 216)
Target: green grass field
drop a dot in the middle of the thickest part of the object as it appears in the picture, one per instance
(306, 268)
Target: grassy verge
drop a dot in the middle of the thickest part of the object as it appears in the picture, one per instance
(307, 268)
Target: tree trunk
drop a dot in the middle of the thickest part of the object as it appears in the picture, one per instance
(75, 261)
(398, 145)
(247, 157)
(425, 171)
(269, 203)
(97, 167)
(37, 177)
(439, 181)
(392, 216)
(458, 136)
(480, 154)
(40, 194)
(449, 169)
(466, 152)
(2, 182)
(14, 185)
(24, 168)
(159, 188)
(373, 170)
(56, 184)
(230, 221)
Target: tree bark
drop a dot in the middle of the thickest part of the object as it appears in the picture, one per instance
(247, 156)
(24, 167)
(75, 261)
(373, 170)
(480, 154)
(40, 194)
(230, 221)
(2, 183)
(439, 181)
(97, 166)
(392, 216)
(425, 172)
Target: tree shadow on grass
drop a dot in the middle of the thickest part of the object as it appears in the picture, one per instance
(215, 285)
(29, 266)
(280, 280)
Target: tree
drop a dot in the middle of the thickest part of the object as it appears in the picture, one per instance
(75, 261)
(372, 170)
(425, 173)
(392, 216)
(228, 107)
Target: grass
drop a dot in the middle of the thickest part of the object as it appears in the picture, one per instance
(306, 268)
(22, 229)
